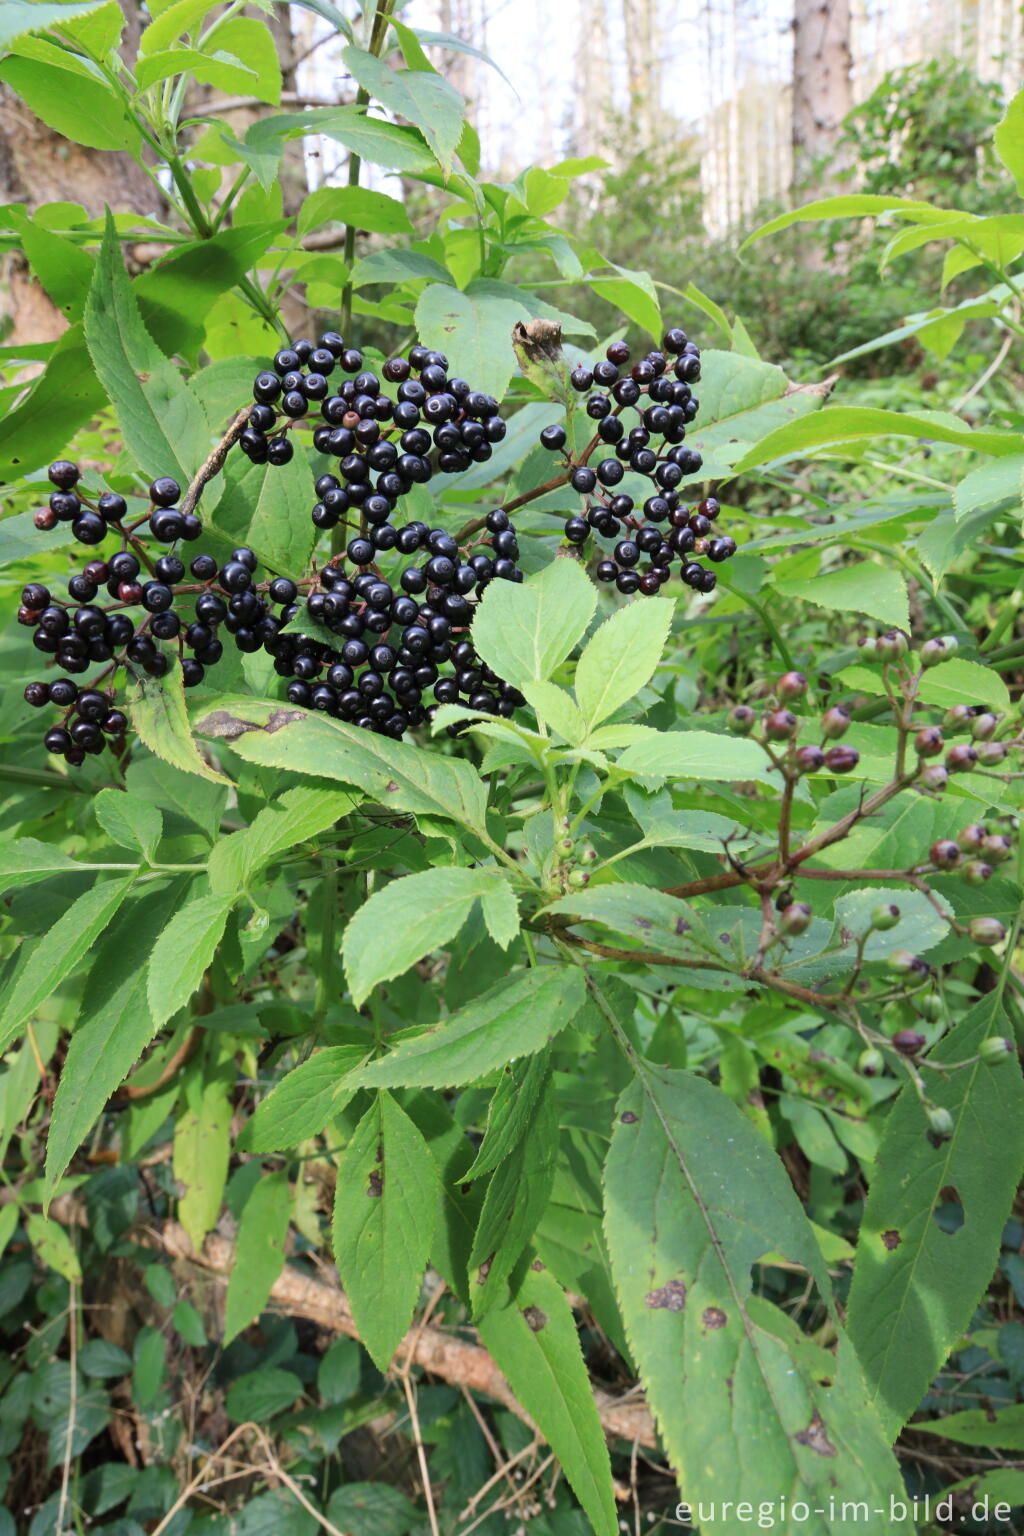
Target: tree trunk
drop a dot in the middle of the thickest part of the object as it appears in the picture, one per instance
(643, 67)
(39, 166)
(822, 89)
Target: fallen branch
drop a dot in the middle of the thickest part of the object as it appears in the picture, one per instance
(432, 1349)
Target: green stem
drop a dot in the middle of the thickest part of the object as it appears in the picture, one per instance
(378, 32)
(328, 928)
(762, 613)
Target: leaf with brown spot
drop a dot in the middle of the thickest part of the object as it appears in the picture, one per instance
(692, 1189)
(259, 1254)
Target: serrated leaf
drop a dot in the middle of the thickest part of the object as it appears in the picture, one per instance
(20, 16)
(158, 714)
(183, 952)
(66, 394)
(964, 682)
(995, 1428)
(557, 709)
(259, 1252)
(990, 485)
(294, 817)
(841, 424)
(694, 1198)
(419, 913)
(473, 327)
(27, 860)
(915, 1287)
(533, 1339)
(397, 774)
(423, 98)
(267, 506)
(621, 658)
(523, 632)
(384, 1215)
(865, 587)
(76, 106)
(54, 956)
(202, 1144)
(698, 755)
(1009, 140)
(303, 1101)
(131, 821)
(515, 1018)
(514, 1202)
(114, 1027)
(501, 913)
(369, 210)
(164, 425)
(53, 1245)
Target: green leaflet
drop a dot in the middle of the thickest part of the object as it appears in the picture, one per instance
(523, 632)
(516, 1017)
(164, 425)
(303, 1101)
(694, 1198)
(384, 1215)
(259, 1252)
(54, 956)
(202, 1141)
(115, 1025)
(395, 773)
(419, 913)
(182, 953)
(533, 1339)
(514, 1203)
(157, 709)
(915, 1287)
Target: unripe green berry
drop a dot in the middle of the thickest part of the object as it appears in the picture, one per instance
(984, 727)
(997, 848)
(944, 853)
(940, 1123)
(996, 1050)
(908, 1041)
(991, 753)
(885, 917)
(791, 685)
(986, 930)
(565, 846)
(976, 872)
(972, 837)
(796, 918)
(835, 722)
(587, 853)
(578, 878)
(892, 645)
(903, 962)
(941, 648)
(871, 1063)
(929, 741)
(740, 720)
(929, 1007)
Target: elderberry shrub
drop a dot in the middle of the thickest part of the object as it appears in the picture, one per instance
(385, 442)
(647, 542)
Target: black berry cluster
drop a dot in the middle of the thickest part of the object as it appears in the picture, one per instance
(663, 532)
(384, 652)
(385, 443)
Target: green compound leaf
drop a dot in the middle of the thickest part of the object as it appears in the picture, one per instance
(384, 1215)
(621, 658)
(694, 1199)
(523, 632)
(915, 1286)
(303, 1101)
(183, 952)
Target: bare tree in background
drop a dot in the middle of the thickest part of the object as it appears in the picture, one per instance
(643, 66)
(822, 84)
(592, 87)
